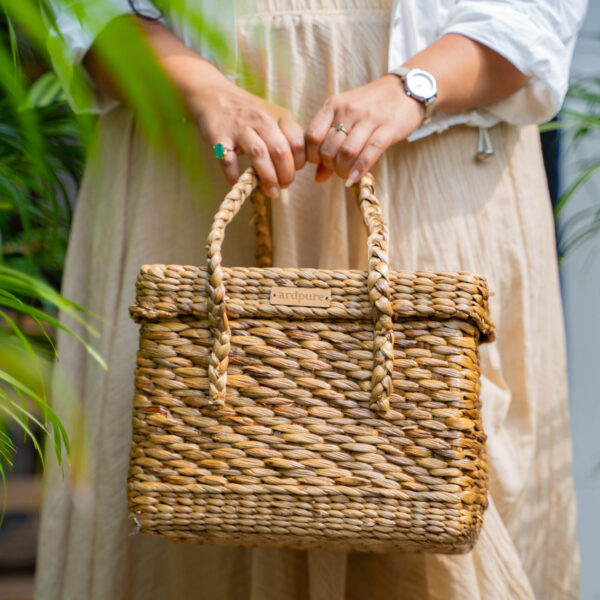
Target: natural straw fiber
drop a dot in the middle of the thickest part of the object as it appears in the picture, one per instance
(352, 425)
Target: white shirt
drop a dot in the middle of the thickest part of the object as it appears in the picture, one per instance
(537, 36)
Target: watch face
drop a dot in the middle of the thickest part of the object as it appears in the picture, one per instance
(421, 84)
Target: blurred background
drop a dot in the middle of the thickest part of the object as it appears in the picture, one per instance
(580, 276)
(43, 147)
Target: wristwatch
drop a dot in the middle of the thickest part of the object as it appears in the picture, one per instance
(419, 85)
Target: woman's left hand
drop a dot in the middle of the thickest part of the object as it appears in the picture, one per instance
(375, 116)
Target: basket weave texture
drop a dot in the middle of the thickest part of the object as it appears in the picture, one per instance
(353, 426)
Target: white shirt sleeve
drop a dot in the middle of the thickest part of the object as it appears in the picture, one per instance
(76, 25)
(537, 36)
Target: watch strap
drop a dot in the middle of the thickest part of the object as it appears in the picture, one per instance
(401, 71)
(429, 106)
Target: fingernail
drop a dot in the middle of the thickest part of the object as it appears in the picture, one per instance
(273, 192)
(352, 179)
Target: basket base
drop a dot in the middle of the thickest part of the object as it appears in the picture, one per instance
(343, 543)
(333, 522)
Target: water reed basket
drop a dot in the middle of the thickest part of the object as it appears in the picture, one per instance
(308, 407)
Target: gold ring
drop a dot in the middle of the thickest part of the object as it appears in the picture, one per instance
(340, 127)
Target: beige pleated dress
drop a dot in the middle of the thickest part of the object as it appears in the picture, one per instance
(446, 212)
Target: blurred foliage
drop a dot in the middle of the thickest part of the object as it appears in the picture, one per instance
(36, 188)
(579, 121)
(42, 153)
(36, 172)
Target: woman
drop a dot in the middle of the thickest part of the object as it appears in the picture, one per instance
(446, 211)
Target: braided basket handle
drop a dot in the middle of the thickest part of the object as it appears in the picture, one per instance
(378, 287)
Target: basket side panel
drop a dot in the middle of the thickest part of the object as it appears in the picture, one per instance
(296, 457)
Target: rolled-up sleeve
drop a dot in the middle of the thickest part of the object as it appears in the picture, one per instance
(536, 36)
(75, 26)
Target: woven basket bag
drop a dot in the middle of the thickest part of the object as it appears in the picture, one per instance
(308, 407)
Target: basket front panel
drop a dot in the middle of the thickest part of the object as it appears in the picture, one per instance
(296, 457)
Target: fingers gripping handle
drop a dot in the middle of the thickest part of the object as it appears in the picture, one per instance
(378, 287)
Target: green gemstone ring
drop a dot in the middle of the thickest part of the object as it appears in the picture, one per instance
(220, 151)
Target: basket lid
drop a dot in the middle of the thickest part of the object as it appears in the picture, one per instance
(168, 291)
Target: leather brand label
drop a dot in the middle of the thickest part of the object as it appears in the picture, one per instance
(300, 296)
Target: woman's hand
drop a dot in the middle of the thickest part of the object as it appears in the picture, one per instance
(375, 116)
(379, 114)
(268, 134)
(226, 114)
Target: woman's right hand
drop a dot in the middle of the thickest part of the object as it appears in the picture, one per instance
(268, 134)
